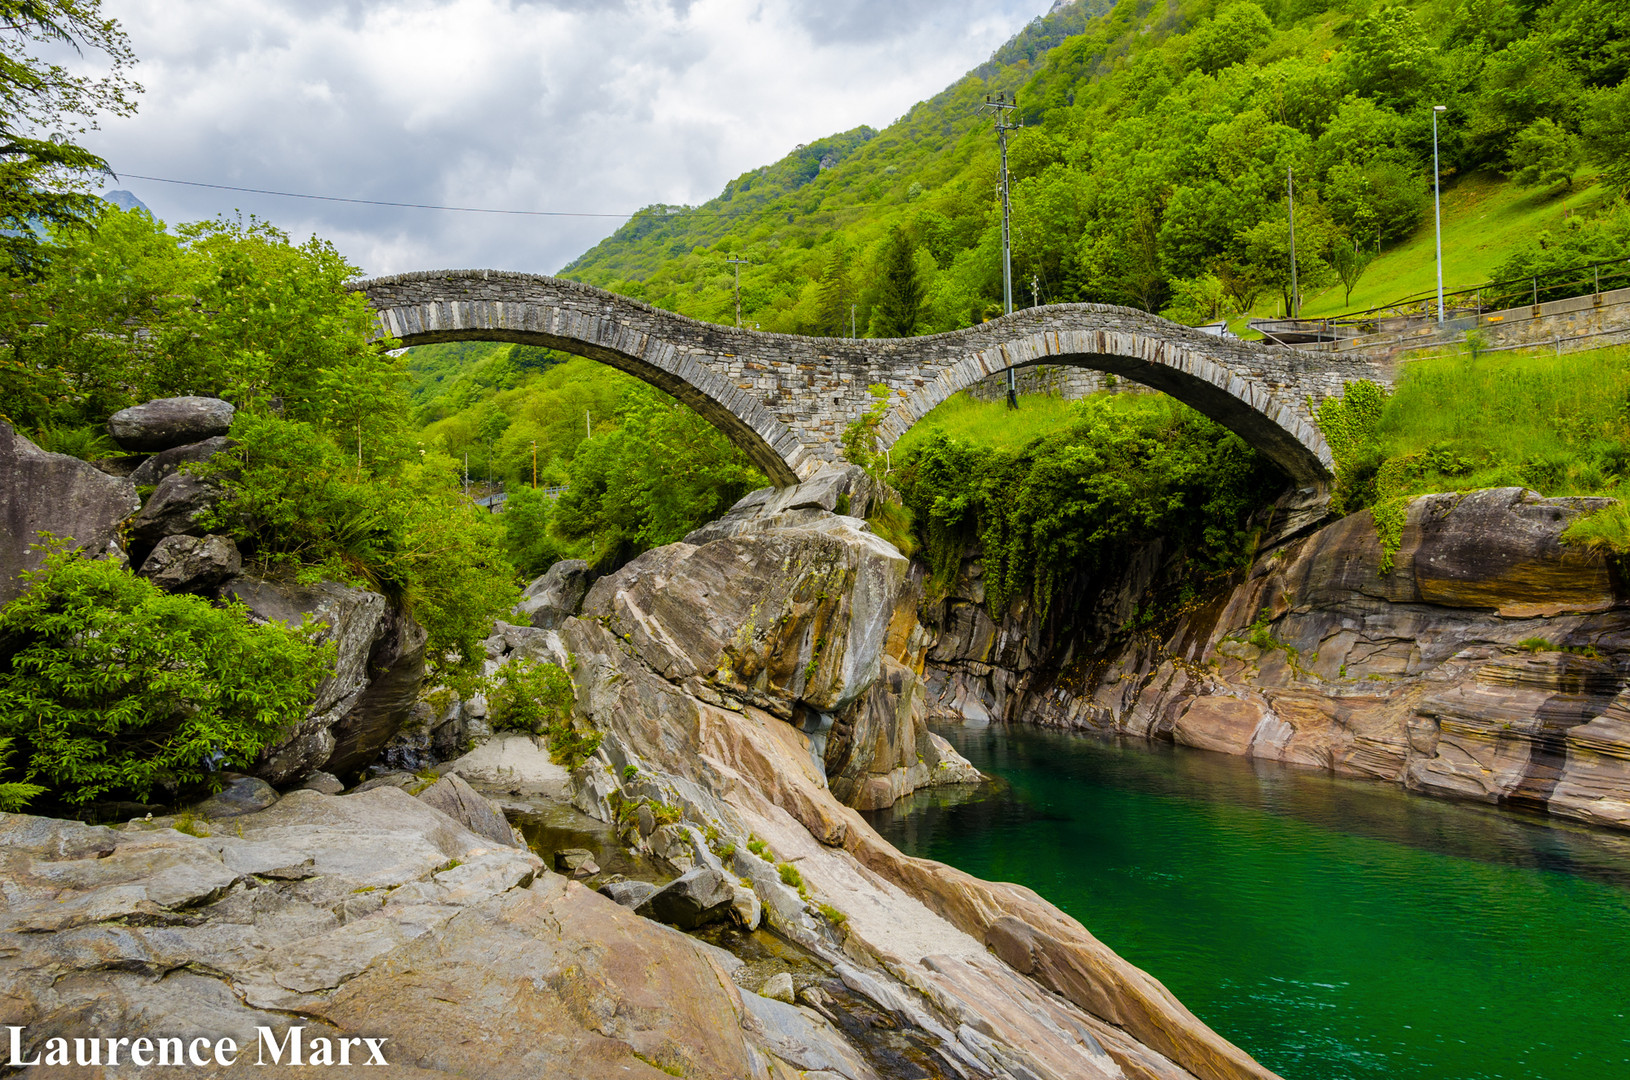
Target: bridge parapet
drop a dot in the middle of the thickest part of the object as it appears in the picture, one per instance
(787, 399)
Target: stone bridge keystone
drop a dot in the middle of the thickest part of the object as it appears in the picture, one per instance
(786, 400)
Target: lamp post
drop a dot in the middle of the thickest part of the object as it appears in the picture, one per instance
(1437, 206)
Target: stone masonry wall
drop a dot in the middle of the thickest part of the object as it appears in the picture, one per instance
(786, 400)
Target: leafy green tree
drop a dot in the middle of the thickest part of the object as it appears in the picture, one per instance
(111, 687)
(899, 306)
(659, 473)
(1349, 259)
(1606, 134)
(44, 108)
(834, 294)
(1545, 153)
(1389, 57)
(1239, 30)
(528, 540)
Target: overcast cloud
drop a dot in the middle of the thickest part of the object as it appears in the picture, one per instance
(577, 105)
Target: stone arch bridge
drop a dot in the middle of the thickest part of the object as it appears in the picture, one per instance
(786, 400)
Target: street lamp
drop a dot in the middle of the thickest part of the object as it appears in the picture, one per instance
(1437, 205)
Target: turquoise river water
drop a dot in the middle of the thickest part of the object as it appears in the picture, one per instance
(1335, 929)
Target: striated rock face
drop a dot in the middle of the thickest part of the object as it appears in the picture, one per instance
(170, 422)
(55, 493)
(1448, 673)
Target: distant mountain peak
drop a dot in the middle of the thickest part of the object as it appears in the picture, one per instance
(125, 200)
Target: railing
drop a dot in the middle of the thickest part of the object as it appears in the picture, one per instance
(1414, 311)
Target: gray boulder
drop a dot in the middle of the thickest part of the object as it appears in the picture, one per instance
(170, 422)
(174, 509)
(160, 465)
(556, 595)
(693, 899)
(353, 620)
(192, 563)
(395, 672)
(55, 493)
(630, 894)
(459, 801)
(847, 491)
(245, 795)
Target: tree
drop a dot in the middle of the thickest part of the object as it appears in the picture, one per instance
(1237, 32)
(43, 106)
(1545, 153)
(834, 292)
(900, 299)
(1606, 132)
(1349, 259)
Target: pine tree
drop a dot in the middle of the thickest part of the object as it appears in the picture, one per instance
(900, 302)
(833, 295)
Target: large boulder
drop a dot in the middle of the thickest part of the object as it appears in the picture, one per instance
(174, 509)
(160, 465)
(693, 899)
(395, 672)
(555, 595)
(356, 621)
(193, 564)
(781, 617)
(54, 493)
(453, 797)
(846, 492)
(170, 422)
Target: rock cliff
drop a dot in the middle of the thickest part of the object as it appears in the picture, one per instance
(1489, 662)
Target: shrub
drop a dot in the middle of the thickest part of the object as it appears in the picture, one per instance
(14, 794)
(790, 875)
(1535, 645)
(109, 685)
(537, 698)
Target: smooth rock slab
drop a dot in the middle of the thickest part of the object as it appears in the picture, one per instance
(630, 894)
(453, 797)
(245, 795)
(693, 899)
(170, 422)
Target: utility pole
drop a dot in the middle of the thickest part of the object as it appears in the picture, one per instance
(466, 473)
(1035, 291)
(1001, 105)
(1290, 197)
(852, 319)
(739, 263)
(534, 464)
(1437, 211)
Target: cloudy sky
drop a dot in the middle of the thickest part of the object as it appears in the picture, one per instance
(563, 105)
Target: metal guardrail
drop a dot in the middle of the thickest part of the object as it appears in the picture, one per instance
(1415, 311)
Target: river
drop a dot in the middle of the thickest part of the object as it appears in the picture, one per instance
(1335, 929)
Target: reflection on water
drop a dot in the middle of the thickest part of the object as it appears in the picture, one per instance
(1334, 928)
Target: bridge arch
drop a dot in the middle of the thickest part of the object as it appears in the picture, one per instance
(786, 400)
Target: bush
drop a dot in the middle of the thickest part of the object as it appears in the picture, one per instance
(110, 686)
(537, 698)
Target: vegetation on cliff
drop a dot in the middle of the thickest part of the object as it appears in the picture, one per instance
(1123, 470)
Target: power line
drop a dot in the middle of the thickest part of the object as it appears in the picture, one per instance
(690, 211)
(369, 202)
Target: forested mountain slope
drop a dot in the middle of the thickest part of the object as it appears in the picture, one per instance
(1153, 167)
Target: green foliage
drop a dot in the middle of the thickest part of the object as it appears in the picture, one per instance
(189, 823)
(832, 915)
(528, 541)
(14, 794)
(789, 875)
(659, 473)
(44, 105)
(1556, 424)
(1535, 645)
(892, 521)
(860, 437)
(125, 311)
(1126, 469)
(1545, 153)
(109, 686)
(1349, 260)
(84, 443)
(900, 296)
(299, 503)
(538, 698)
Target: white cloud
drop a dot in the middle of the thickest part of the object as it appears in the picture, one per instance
(564, 105)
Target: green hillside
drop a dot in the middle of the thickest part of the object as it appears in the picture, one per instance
(1152, 170)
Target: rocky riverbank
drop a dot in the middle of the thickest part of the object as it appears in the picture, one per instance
(1489, 662)
(749, 688)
